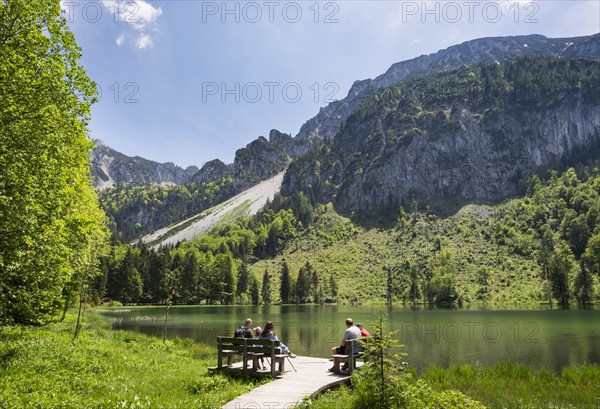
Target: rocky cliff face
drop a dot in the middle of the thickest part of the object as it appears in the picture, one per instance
(329, 119)
(471, 163)
(425, 139)
(111, 168)
(259, 160)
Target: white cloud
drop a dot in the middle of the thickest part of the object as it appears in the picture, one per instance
(137, 14)
(512, 5)
(143, 41)
(146, 13)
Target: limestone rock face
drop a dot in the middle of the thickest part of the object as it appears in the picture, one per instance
(476, 162)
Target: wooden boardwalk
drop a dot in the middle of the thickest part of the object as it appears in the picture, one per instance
(291, 387)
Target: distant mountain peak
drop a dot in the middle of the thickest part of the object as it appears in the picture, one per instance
(111, 168)
(99, 143)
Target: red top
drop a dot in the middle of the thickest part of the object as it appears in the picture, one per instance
(364, 332)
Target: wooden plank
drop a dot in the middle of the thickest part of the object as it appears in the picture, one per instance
(291, 387)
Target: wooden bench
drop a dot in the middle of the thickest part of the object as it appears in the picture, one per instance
(249, 349)
(354, 351)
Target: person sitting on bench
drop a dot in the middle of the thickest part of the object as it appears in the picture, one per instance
(352, 332)
(363, 331)
(245, 331)
(257, 332)
(269, 333)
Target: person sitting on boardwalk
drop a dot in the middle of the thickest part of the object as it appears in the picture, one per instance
(269, 333)
(363, 331)
(245, 331)
(352, 332)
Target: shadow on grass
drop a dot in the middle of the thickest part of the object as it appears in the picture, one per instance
(7, 357)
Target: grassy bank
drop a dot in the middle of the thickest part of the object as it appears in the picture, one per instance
(44, 368)
(515, 386)
(505, 386)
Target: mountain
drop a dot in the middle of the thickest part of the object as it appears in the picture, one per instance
(111, 168)
(472, 132)
(329, 119)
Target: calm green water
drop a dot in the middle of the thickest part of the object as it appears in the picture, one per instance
(538, 338)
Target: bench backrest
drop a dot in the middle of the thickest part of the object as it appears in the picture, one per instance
(355, 346)
(242, 345)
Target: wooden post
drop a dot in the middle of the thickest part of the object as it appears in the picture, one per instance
(219, 353)
(351, 356)
(273, 359)
(245, 355)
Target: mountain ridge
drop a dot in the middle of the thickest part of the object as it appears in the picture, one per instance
(111, 168)
(488, 49)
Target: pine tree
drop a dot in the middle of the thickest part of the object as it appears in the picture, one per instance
(545, 254)
(592, 253)
(584, 286)
(161, 281)
(562, 264)
(285, 291)
(302, 287)
(254, 291)
(243, 279)
(228, 279)
(389, 284)
(427, 273)
(189, 279)
(314, 283)
(482, 277)
(144, 264)
(130, 281)
(266, 288)
(414, 293)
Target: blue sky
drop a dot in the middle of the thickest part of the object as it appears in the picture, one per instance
(189, 81)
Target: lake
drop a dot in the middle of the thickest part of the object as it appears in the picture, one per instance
(534, 337)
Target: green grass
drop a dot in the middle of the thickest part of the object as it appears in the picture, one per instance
(44, 368)
(505, 386)
(514, 386)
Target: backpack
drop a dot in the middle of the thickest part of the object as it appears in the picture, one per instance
(242, 332)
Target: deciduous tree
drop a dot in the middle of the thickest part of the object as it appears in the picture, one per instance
(50, 223)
